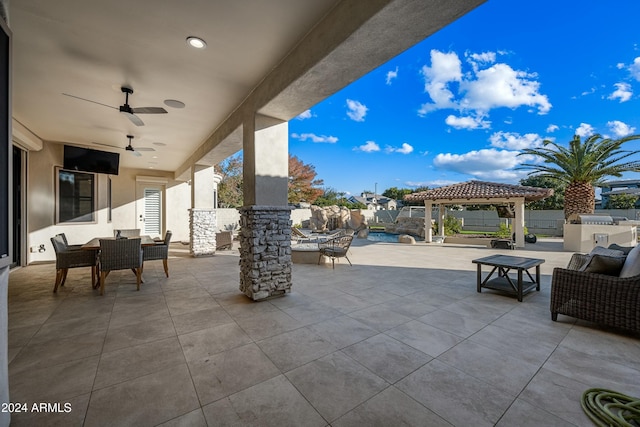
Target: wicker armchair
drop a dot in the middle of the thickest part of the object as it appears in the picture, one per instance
(126, 232)
(159, 251)
(120, 254)
(598, 298)
(71, 257)
(337, 247)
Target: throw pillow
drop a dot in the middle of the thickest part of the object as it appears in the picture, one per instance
(631, 265)
(602, 264)
(625, 249)
(600, 250)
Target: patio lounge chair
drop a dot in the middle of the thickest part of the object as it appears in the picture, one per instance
(337, 247)
(71, 257)
(120, 254)
(591, 289)
(159, 251)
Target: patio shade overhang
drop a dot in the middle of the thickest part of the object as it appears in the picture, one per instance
(480, 192)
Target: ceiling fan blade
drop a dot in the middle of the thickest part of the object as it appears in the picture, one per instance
(144, 149)
(149, 110)
(135, 153)
(88, 100)
(134, 119)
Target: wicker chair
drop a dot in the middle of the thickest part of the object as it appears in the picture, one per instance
(159, 251)
(70, 257)
(224, 240)
(598, 298)
(69, 247)
(337, 247)
(120, 254)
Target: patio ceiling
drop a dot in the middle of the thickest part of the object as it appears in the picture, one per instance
(275, 54)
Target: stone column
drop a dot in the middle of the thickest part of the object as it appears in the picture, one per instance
(265, 218)
(265, 251)
(202, 215)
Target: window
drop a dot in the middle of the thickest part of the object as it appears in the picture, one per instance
(76, 196)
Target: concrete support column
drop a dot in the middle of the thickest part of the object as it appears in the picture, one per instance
(442, 211)
(265, 218)
(202, 215)
(518, 223)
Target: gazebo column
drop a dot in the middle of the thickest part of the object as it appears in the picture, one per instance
(428, 232)
(442, 211)
(518, 223)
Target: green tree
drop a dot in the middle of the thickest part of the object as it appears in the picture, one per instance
(556, 201)
(230, 193)
(331, 197)
(396, 193)
(581, 166)
(622, 201)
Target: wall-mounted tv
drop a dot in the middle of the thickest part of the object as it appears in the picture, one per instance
(88, 160)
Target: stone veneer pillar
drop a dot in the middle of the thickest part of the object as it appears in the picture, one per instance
(202, 232)
(265, 251)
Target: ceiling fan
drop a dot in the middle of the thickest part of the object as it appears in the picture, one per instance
(134, 151)
(126, 109)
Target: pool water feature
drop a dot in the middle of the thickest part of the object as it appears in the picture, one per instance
(378, 236)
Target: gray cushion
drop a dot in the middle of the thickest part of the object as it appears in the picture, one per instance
(631, 265)
(602, 264)
(625, 249)
(600, 250)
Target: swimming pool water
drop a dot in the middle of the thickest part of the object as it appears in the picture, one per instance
(386, 237)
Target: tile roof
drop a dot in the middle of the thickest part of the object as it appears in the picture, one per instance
(481, 191)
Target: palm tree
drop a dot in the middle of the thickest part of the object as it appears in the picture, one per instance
(581, 166)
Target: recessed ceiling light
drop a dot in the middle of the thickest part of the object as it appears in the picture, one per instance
(173, 103)
(196, 42)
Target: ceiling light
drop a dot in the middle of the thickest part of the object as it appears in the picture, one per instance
(196, 42)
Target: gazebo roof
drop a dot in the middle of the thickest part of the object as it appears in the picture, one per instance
(480, 192)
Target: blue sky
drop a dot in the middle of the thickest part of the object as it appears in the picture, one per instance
(459, 105)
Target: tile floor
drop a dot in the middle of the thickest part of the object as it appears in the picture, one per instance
(400, 338)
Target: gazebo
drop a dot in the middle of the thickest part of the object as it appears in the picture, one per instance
(512, 197)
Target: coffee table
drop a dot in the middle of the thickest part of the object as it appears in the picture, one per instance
(503, 264)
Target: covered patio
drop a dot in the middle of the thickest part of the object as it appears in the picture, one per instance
(402, 337)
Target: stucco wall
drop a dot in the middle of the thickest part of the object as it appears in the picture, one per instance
(41, 196)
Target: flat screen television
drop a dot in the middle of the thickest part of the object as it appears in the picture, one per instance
(88, 160)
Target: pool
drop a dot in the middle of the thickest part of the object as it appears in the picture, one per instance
(376, 236)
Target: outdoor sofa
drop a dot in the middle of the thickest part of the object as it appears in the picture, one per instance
(601, 287)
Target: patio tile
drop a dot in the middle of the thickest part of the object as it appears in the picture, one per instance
(219, 375)
(457, 397)
(51, 383)
(504, 372)
(127, 404)
(379, 318)
(515, 344)
(522, 414)
(130, 315)
(18, 337)
(207, 342)
(201, 319)
(295, 348)
(612, 347)
(484, 312)
(454, 323)
(69, 328)
(132, 362)
(191, 419)
(274, 402)
(138, 333)
(335, 384)
(429, 340)
(407, 306)
(386, 357)
(343, 331)
(267, 325)
(346, 303)
(391, 407)
(179, 306)
(311, 312)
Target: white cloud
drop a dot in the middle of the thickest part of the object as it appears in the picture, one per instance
(635, 68)
(357, 110)
(404, 149)
(620, 65)
(430, 184)
(620, 129)
(482, 164)
(368, 147)
(585, 129)
(392, 75)
(467, 122)
(480, 90)
(623, 92)
(552, 128)
(315, 138)
(515, 141)
(304, 115)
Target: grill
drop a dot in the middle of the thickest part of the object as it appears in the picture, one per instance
(593, 219)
